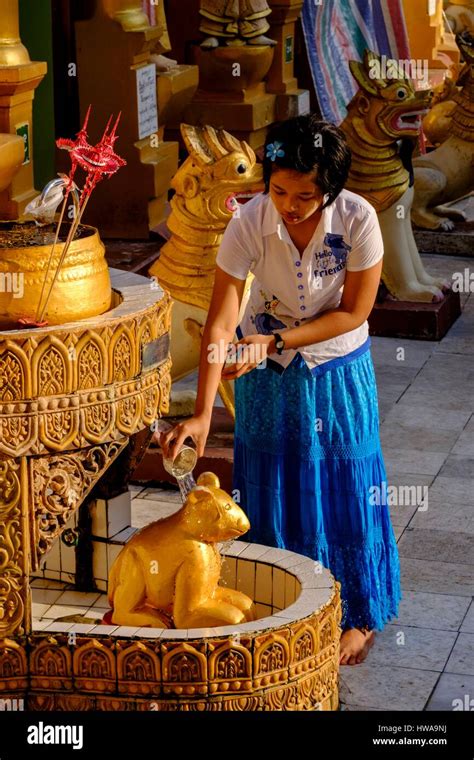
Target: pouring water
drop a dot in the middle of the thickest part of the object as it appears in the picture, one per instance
(183, 464)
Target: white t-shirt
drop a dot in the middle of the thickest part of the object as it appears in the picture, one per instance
(288, 291)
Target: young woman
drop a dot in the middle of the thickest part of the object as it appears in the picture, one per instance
(307, 458)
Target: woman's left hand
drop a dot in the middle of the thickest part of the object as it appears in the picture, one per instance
(251, 351)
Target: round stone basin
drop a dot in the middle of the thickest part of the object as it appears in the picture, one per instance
(287, 659)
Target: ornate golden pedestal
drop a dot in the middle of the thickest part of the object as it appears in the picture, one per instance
(70, 398)
(286, 660)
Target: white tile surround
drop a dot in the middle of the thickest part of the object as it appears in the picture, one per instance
(285, 587)
(111, 529)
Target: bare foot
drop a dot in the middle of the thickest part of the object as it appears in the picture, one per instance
(355, 646)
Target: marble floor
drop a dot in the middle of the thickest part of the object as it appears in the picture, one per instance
(424, 660)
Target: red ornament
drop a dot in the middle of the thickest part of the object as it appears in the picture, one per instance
(98, 161)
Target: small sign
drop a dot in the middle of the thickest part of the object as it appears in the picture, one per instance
(156, 352)
(304, 104)
(288, 49)
(23, 130)
(146, 99)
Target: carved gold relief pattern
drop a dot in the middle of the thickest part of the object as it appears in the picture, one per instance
(11, 377)
(82, 386)
(73, 703)
(68, 402)
(184, 669)
(40, 702)
(230, 667)
(192, 676)
(271, 658)
(59, 486)
(138, 668)
(13, 666)
(122, 362)
(13, 578)
(90, 366)
(51, 665)
(94, 666)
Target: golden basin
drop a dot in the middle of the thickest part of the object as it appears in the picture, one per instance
(81, 290)
(12, 152)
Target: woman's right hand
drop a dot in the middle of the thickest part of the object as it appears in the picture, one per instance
(196, 427)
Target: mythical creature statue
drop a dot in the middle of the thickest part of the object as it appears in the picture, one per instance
(167, 575)
(384, 112)
(460, 15)
(437, 122)
(447, 173)
(235, 22)
(218, 170)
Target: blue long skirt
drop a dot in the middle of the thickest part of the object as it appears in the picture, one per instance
(308, 465)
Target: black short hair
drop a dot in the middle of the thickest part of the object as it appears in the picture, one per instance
(309, 144)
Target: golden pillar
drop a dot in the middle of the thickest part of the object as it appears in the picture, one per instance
(19, 77)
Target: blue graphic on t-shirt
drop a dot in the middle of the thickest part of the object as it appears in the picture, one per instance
(266, 323)
(339, 248)
(331, 262)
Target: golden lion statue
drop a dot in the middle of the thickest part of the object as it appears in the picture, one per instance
(167, 575)
(219, 168)
(383, 112)
(447, 173)
(437, 122)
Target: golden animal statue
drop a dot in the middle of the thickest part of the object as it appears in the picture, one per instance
(167, 575)
(459, 15)
(383, 112)
(218, 170)
(235, 22)
(447, 173)
(437, 122)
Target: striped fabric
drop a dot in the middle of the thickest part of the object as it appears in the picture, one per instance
(337, 31)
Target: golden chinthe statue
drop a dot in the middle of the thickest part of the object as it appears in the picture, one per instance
(437, 122)
(459, 15)
(236, 22)
(219, 168)
(447, 173)
(386, 110)
(167, 575)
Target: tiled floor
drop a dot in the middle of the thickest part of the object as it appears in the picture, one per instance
(424, 659)
(55, 600)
